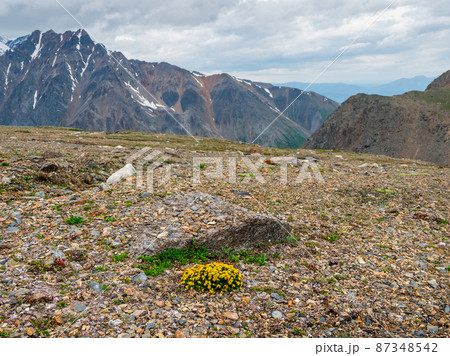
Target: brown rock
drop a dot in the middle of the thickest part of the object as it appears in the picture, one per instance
(179, 334)
(30, 331)
(230, 315)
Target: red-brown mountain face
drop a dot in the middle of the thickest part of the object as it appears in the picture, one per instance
(413, 125)
(50, 79)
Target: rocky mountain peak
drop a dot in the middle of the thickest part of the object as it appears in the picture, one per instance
(443, 81)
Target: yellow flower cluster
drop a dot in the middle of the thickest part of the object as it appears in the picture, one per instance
(213, 277)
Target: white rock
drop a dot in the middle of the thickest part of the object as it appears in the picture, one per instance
(123, 173)
(6, 180)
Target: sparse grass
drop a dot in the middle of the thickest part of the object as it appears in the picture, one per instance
(385, 191)
(4, 164)
(120, 257)
(75, 220)
(110, 219)
(331, 238)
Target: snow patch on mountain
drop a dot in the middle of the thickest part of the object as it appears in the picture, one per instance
(268, 92)
(7, 75)
(37, 49)
(3, 45)
(14, 43)
(140, 98)
(35, 99)
(197, 81)
(74, 82)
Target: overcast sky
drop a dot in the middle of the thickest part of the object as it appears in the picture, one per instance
(263, 40)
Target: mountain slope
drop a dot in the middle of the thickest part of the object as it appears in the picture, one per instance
(68, 80)
(413, 125)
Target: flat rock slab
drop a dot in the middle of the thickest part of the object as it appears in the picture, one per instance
(211, 221)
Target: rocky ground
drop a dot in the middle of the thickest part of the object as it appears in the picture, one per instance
(365, 252)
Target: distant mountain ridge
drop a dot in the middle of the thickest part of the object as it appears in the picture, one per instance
(50, 79)
(340, 92)
(413, 125)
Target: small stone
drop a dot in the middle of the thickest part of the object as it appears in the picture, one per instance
(447, 309)
(322, 320)
(162, 235)
(361, 261)
(116, 243)
(277, 314)
(140, 278)
(115, 323)
(29, 331)
(40, 194)
(6, 180)
(59, 254)
(98, 287)
(76, 266)
(145, 195)
(423, 264)
(12, 229)
(103, 186)
(230, 315)
(138, 313)
(79, 307)
(433, 283)
(179, 334)
(432, 328)
(149, 326)
(194, 207)
(276, 296)
(413, 283)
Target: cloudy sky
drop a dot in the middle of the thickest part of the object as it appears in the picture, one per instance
(264, 40)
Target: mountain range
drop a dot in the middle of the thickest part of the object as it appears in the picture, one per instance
(342, 91)
(413, 125)
(51, 79)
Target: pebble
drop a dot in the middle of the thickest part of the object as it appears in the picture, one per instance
(413, 283)
(179, 334)
(423, 264)
(149, 326)
(115, 322)
(6, 180)
(433, 283)
(276, 296)
(79, 307)
(145, 195)
(230, 315)
(98, 287)
(40, 194)
(140, 278)
(59, 254)
(432, 328)
(277, 314)
(29, 331)
(12, 229)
